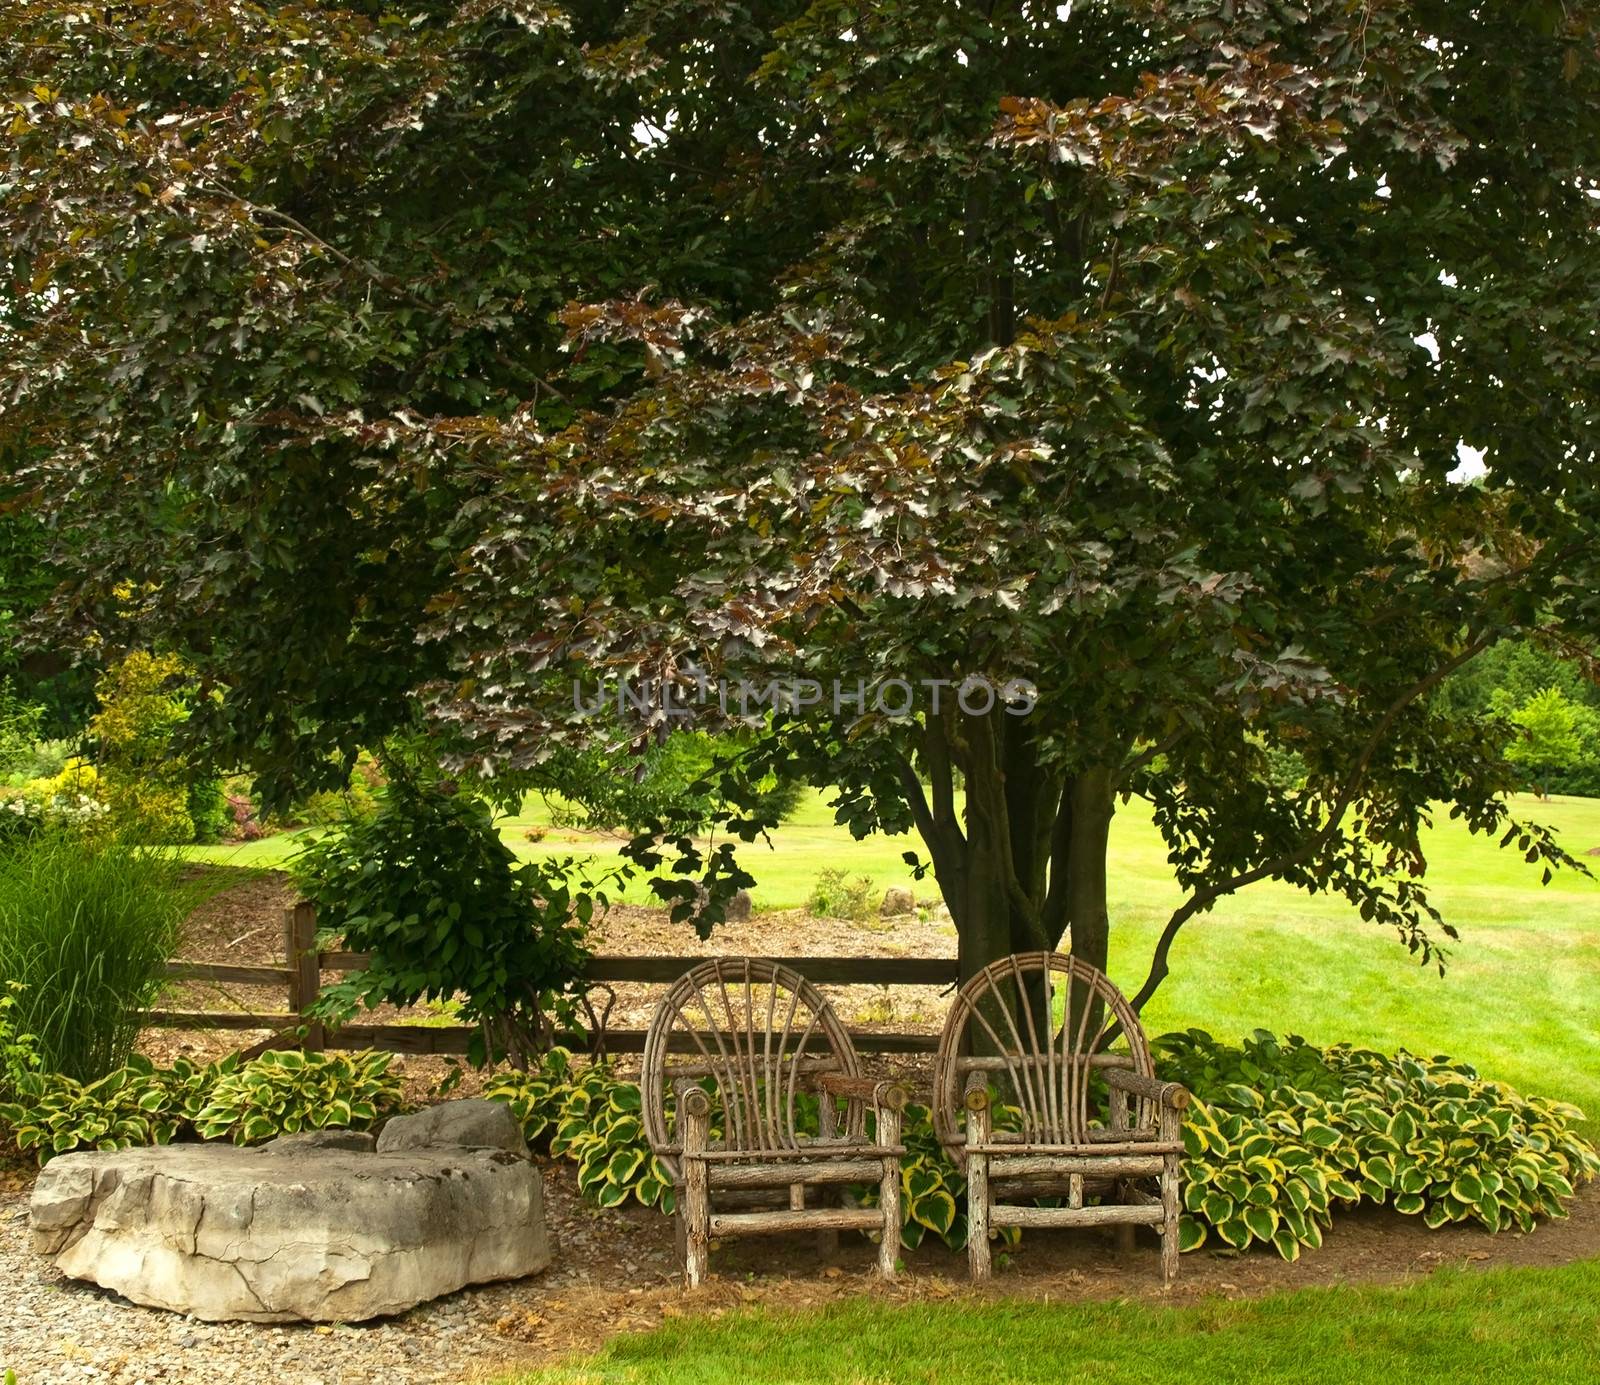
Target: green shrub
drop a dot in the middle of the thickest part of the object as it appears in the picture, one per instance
(19, 729)
(429, 888)
(285, 1091)
(87, 928)
(209, 810)
(144, 701)
(836, 895)
(358, 801)
(44, 760)
(1282, 1133)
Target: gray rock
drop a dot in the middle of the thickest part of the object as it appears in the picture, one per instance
(357, 1141)
(328, 1235)
(897, 902)
(473, 1124)
(739, 907)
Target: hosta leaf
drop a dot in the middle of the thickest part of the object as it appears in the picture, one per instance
(1262, 1221)
(937, 1211)
(622, 1165)
(1191, 1234)
(1319, 1135)
(1286, 1245)
(1235, 1232)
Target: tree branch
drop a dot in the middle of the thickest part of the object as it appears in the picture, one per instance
(1203, 899)
(389, 283)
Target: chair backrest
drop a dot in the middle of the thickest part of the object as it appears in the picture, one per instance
(754, 1028)
(1036, 1024)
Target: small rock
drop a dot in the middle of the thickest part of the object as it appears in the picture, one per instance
(897, 902)
(473, 1124)
(361, 1141)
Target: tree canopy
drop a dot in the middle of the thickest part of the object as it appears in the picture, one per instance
(398, 355)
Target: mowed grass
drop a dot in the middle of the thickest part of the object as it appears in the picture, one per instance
(1520, 998)
(1507, 1325)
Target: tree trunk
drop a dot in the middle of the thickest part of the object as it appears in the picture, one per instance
(1029, 869)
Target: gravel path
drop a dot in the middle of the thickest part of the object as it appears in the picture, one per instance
(56, 1331)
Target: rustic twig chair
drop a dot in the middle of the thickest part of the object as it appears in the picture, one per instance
(760, 1037)
(1006, 1041)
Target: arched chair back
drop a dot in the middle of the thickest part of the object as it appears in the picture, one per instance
(1037, 1025)
(758, 1030)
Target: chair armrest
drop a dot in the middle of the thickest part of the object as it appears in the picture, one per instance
(1171, 1094)
(694, 1100)
(888, 1096)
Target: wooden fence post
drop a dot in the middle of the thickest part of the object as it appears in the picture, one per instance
(305, 970)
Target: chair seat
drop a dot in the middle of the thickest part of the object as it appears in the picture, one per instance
(804, 1151)
(1149, 1145)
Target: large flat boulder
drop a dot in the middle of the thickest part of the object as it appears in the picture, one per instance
(331, 1235)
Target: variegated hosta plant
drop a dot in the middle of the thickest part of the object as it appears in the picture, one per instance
(1282, 1132)
(285, 1091)
(535, 1097)
(599, 1128)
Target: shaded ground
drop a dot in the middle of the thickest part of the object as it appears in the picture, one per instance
(616, 1271)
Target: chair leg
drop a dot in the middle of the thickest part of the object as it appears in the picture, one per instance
(697, 1225)
(827, 1240)
(694, 1112)
(979, 1264)
(1169, 1218)
(889, 1194)
(1123, 1237)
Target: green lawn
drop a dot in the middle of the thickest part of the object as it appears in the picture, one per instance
(1520, 1000)
(1508, 1325)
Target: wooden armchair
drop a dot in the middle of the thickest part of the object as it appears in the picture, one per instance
(1031, 1032)
(759, 1037)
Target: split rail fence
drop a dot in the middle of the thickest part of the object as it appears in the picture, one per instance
(301, 977)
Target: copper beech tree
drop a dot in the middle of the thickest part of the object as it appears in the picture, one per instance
(398, 356)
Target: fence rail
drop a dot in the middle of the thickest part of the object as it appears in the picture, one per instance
(301, 979)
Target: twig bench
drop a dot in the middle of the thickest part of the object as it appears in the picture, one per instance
(1003, 1042)
(758, 1041)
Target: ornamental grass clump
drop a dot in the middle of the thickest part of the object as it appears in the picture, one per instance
(86, 928)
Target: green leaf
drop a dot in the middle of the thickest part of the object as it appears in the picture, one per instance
(1191, 1234)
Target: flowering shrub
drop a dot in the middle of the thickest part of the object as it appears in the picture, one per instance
(68, 800)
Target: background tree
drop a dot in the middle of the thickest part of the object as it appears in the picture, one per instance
(412, 351)
(1557, 742)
